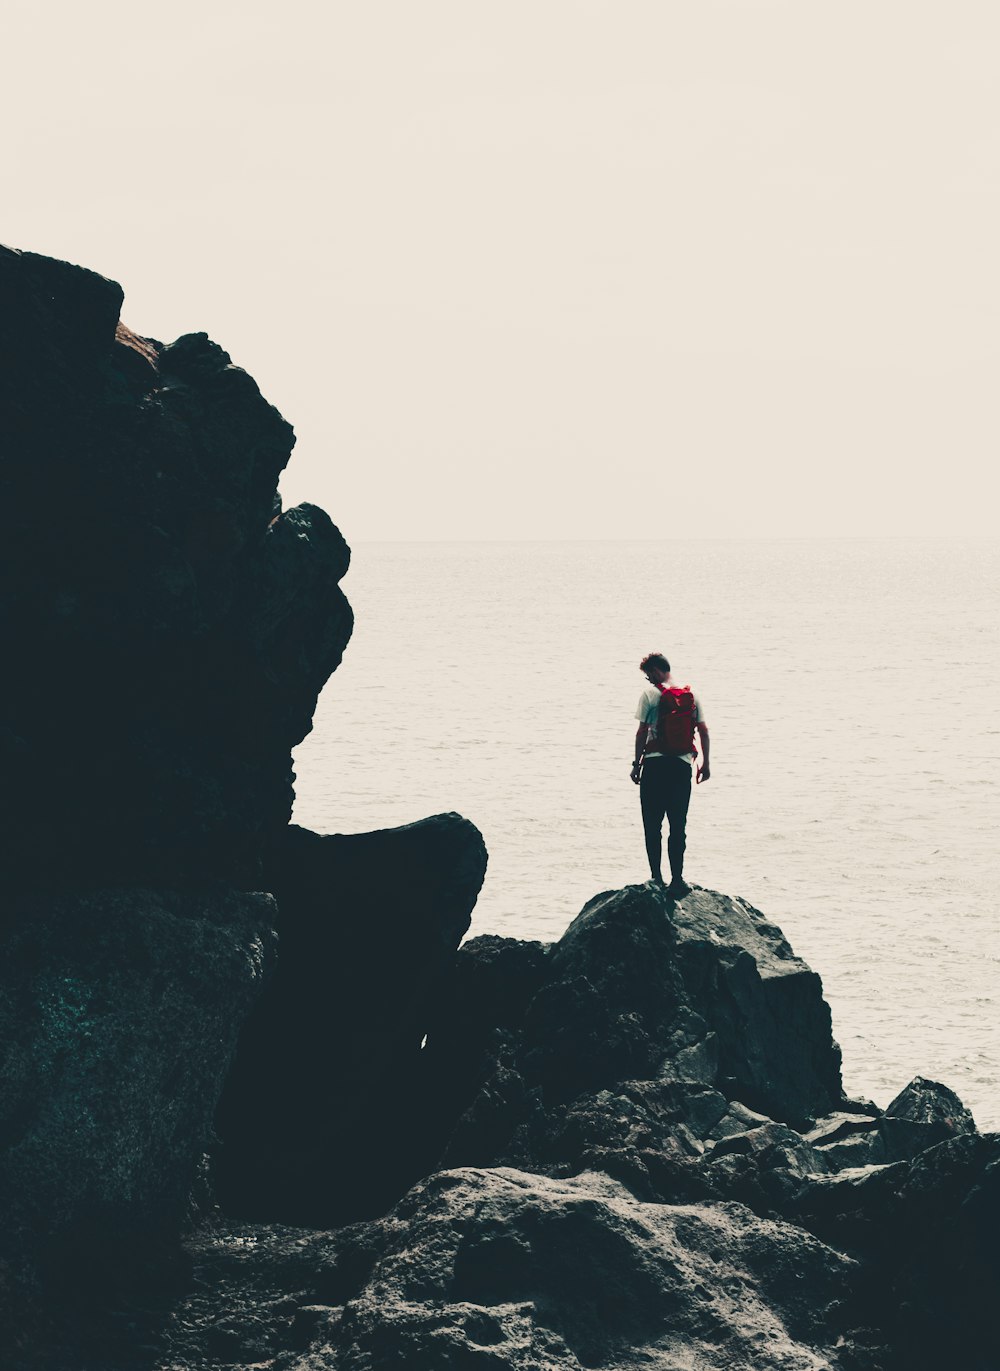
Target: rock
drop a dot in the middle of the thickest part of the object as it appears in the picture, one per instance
(167, 636)
(926, 1231)
(498, 1268)
(330, 1061)
(119, 1011)
(628, 1043)
(737, 1119)
(765, 1167)
(168, 629)
(846, 1139)
(923, 1114)
(765, 1006)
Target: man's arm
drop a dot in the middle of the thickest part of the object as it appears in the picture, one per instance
(704, 771)
(640, 743)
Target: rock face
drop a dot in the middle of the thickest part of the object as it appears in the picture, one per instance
(646, 1028)
(167, 629)
(329, 1062)
(167, 634)
(118, 1017)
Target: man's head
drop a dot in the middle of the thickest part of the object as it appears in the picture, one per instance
(655, 667)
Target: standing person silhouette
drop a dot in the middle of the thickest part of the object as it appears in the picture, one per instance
(665, 755)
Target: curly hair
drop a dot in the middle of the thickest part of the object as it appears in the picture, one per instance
(654, 659)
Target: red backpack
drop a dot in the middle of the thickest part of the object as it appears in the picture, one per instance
(674, 732)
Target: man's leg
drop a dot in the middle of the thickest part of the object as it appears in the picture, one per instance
(677, 797)
(653, 801)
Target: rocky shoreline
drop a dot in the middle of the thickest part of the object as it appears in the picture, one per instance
(260, 1105)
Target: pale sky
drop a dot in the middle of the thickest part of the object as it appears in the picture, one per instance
(552, 268)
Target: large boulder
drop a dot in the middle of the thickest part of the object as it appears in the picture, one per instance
(322, 1118)
(119, 1011)
(168, 628)
(627, 1044)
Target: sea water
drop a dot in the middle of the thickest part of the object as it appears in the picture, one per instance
(852, 692)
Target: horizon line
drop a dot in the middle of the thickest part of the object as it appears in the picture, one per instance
(716, 538)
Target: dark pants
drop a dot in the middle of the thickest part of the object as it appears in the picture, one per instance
(665, 792)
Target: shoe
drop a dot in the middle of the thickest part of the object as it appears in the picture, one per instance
(678, 888)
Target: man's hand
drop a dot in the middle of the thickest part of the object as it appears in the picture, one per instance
(635, 772)
(704, 774)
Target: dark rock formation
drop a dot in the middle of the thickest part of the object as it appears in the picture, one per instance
(764, 1007)
(682, 1049)
(630, 1040)
(166, 637)
(322, 1118)
(167, 630)
(928, 1234)
(118, 1018)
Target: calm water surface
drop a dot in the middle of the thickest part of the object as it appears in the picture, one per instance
(852, 691)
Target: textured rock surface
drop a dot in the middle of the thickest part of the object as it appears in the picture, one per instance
(329, 1063)
(501, 1269)
(118, 1019)
(628, 1042)
(764, 1006)
(166, 639)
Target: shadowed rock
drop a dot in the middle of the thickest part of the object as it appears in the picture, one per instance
(118, 1018)
(322, 1119)
(928, 1232)
(764, 1006)
(629, 1041)
(167, 630)
(166, 638)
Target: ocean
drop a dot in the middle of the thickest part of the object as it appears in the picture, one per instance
(852, 692)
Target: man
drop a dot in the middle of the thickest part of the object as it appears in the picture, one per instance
(663, 765)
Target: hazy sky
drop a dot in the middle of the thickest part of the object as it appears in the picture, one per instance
(552, 268)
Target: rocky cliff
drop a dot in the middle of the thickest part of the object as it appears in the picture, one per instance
(258, 1107)
(168, 629)
(168, 626)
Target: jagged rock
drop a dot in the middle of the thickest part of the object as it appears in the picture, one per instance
(928, 1232)
(166, 637)
(922, 1114)
(766, 1007)
(847, 1140)
(502, 1269)
(630, 1040)
(765, 1167)
(737, 1119)
(329, 1063)
(118, 1019)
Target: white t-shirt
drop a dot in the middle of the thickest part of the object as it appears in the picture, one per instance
(648, 709)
